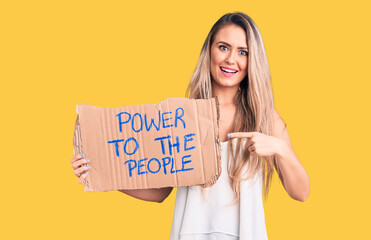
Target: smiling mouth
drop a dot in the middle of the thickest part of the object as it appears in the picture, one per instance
(228, 70)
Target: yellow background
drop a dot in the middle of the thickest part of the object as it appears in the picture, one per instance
(56, 54)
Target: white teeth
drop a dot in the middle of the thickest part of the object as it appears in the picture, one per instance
(228, 71)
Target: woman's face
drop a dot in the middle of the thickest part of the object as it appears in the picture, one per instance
(228, 65)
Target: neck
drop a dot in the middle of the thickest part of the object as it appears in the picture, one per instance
(225, 94)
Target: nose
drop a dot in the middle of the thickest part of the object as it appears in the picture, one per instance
(230, 59)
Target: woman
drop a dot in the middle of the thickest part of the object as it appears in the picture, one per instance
(233, 66)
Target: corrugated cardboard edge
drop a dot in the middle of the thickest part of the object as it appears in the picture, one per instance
(218, 148)
(77, 144)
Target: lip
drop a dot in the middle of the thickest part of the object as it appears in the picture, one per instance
(232, 69)
(228, 74)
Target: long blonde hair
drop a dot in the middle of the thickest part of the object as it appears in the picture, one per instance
(254, 101)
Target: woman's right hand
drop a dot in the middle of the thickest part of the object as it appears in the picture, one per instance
(80, 166)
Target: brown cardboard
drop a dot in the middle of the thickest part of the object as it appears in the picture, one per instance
(102, 134)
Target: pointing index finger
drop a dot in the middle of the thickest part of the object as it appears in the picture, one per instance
(241, 135)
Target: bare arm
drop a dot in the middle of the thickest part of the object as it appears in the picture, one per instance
(152, 195)
(81, 168)
(293, 176)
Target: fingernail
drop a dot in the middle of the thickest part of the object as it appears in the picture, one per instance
(229, 135)
(88, 167)
(81, 155)
(87, 160)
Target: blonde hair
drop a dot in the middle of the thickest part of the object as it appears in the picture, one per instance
(254, 101)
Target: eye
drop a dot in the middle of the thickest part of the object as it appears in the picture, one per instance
(222, 47)
(244, 53)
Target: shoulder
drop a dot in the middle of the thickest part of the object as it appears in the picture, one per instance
(279, 124)
(280, 128)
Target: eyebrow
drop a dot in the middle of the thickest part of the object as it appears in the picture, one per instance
(230, 45)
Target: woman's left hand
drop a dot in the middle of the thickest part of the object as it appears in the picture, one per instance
(259, 144)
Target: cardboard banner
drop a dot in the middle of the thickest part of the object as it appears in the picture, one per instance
(173, 143)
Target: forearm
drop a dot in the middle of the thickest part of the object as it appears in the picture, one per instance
(152, 195)
(295, 178)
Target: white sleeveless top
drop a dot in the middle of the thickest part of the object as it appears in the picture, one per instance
(210, 214)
